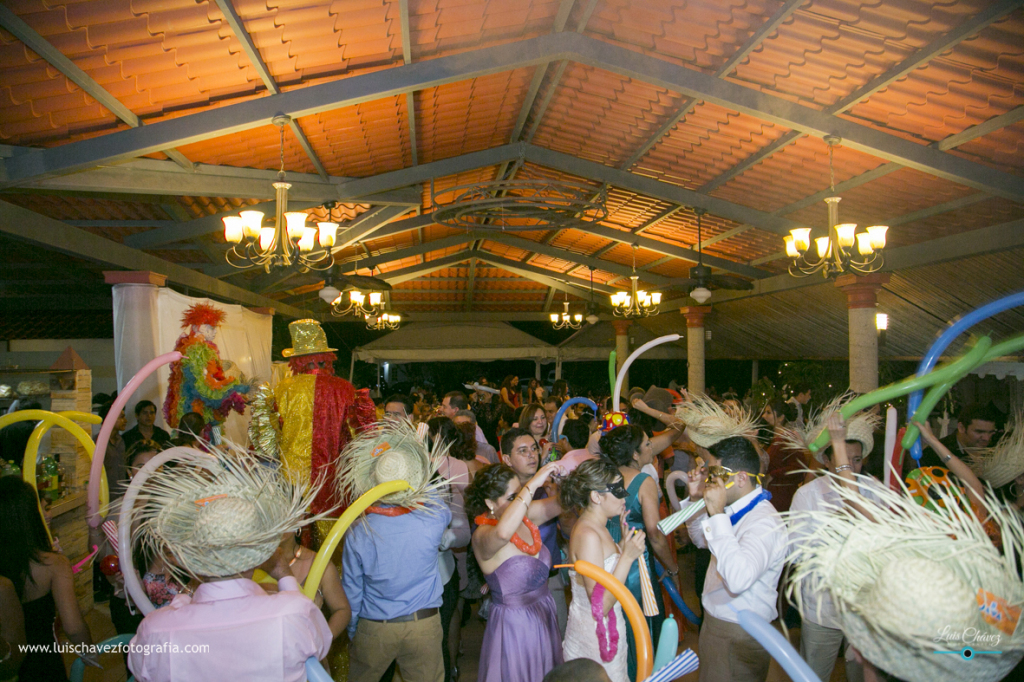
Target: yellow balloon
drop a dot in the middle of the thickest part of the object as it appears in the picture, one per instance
(47, 421)
(316, 571)
(642, 634)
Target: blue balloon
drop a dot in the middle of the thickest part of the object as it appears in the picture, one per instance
(942, 343)
(670, 587)
(315, 672)
(668, 642)
(561, 411)
(776, 645)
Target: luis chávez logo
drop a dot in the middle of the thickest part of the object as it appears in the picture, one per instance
(971, 642)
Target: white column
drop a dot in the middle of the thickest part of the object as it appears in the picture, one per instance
(622, 350)
(695, 347)
(862, 300)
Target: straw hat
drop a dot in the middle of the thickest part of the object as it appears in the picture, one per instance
(861, 428)
(1001, 464)
(907, 583)
(223, 520)
(307, 338)
(707, 422)
(391, 451)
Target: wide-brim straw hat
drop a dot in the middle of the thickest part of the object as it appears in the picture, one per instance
(906, 582)
(708, 423)
(308, 337)
(1001, 464)
(221, 520)
(391, 451)
(860, 427)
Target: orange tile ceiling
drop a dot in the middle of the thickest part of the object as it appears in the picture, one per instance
(167, 59)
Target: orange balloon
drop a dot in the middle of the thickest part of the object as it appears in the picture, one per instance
(644, 645)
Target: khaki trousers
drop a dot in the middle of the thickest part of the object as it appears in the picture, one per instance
(820, 646)
(728, 654)
(416, 645)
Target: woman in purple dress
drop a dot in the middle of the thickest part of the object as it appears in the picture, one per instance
(521, 642)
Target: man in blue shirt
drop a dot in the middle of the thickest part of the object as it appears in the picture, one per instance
(389, 564)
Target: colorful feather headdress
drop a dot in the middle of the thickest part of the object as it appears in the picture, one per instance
(391, 451)
(913, 586)
(861, 428)
(202, 313)
(221, 520)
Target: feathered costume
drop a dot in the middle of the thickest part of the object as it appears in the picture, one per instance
(320, 413)
(197, 382)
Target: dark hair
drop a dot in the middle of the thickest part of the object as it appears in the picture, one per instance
(984, 412)
(557, 400)
(192, 424)
(508, 439)
(139, 447)
(577, 670)
(143, 404)
(577, 432)
(400, 398)
(516, 413)
(22, 533)
(594, 474)
(621, 443)
(507, 384)
(737, 453)
(447, 431)
(490, 483)
(560, 388)
(457, 399)
(105, 402)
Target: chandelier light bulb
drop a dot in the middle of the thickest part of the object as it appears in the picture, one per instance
(877, 233)
(252, 222)
(356, 297)
(267, 236)
(801, 238)
(554, 318)
(296, 224)
(823, 244)
(656, 298)
(864, 244)
(375, 297)
(791, 251)
(233, 229)
(308, 240)
(845, 234)
(328, 234)
(578, 318)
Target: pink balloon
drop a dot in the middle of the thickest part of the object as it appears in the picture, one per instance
(574, 458)
(108, 427)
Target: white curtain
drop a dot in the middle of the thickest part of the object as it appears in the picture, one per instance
(147, 323)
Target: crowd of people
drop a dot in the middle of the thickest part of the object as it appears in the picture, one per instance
(500, 505)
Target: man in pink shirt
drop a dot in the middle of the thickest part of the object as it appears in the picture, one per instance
(219, 529)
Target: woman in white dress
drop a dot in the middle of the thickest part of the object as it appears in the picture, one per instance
(595, 490)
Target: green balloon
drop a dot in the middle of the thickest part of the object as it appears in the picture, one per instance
(611, 375)
(910, 384)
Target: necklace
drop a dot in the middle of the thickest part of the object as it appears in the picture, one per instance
(532, 550)
(607, 637)
(388, 511)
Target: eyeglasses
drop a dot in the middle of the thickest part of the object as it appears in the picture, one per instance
(717, 471)
(616, 489)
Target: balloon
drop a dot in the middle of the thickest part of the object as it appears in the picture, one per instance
(776, 645)
(668, 642)
(316, 571)
(315, 671)
(93, 507)
(611, 374)
(946, 338)
(561, 412)
(124, 542)
(47, 420)
(677, 599)
(110, 565)
(629, 361)
(909, 384)
(641, 632)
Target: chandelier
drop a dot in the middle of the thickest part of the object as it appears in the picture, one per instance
(565, 320)
(288, 242)
(362, 301)
(635, 303)
(383, 322)
(835, 252)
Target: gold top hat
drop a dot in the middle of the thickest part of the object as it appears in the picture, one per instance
(307, 338)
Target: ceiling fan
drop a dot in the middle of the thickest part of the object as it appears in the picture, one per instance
(334, 285)
(701, 280)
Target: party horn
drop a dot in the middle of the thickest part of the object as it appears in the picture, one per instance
(673, 521)
(641, 633)
(316, 571)
(647, 589)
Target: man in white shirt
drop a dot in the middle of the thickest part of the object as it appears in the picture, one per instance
(748, 542)
(820, 637)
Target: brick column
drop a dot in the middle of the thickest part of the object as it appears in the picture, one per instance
(622, 350)
(861, 301)
(695, 315)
